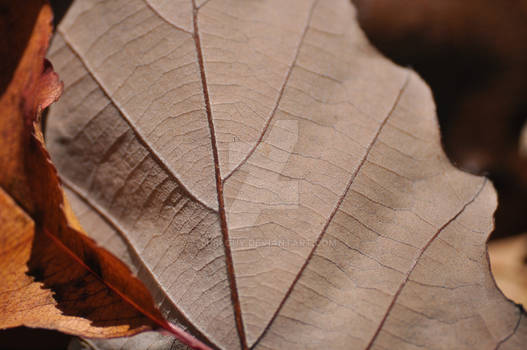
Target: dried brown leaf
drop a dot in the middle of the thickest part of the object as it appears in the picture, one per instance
(52, 275)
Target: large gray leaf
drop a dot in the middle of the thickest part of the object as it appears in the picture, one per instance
(273, 180)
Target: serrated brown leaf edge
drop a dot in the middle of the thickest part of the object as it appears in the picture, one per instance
(51, 274)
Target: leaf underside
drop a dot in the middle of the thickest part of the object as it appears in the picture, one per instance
(273, 180)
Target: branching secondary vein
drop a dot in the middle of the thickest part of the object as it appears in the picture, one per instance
(423, 250)
(337, 206)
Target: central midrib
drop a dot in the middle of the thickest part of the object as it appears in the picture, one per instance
(219, 186)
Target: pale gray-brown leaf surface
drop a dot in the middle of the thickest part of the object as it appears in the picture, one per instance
(273, 180)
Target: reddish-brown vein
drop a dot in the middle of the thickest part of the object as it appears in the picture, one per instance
(280, 94)
(416, 261)
(219, 185)
(336, 208)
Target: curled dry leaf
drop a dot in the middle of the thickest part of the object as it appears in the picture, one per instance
(273, 180)
(51, 274)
